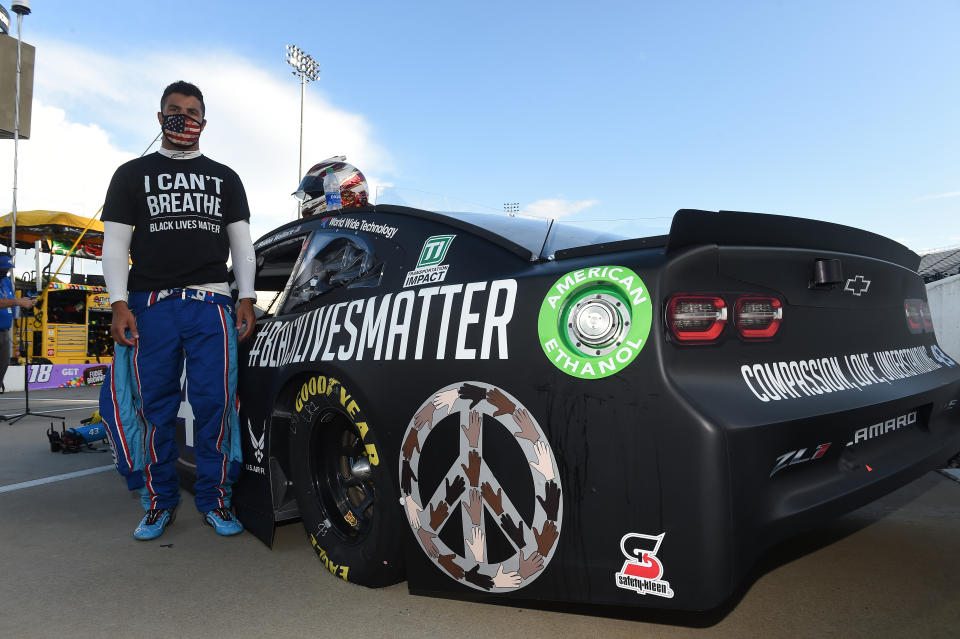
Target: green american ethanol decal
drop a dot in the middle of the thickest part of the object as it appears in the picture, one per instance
(593, 322)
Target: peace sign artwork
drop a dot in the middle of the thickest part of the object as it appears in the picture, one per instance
(480, 487)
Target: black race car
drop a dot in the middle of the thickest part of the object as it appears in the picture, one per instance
(515, 408)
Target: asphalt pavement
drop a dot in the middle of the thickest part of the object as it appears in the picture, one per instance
(69, 567)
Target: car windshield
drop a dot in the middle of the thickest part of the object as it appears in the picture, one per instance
(330, 261)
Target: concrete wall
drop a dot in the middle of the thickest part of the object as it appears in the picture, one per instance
(944, 298)
(13, 380)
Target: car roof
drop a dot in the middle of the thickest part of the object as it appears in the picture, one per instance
(530, 238)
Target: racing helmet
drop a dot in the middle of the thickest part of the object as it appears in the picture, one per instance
(348, 178)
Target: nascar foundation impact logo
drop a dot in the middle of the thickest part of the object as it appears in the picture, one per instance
(430, 268)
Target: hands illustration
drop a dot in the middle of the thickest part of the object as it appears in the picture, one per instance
(530, 565)
(495, 499)
(543, 463)
(438, 515)
(473, 431)
(476, 545)
(424, 416)
(445, 399)
(527, 429)
(454, 490)
(406, 474)
(473, 470)
(546, 537)
(413, 511)
(426, 538)
(477, 578)
(475, 507)
(451, 566)
(551, 502)
(514, 531)
(412, 443)
(473, 393)
(506, 579)
(503, 405)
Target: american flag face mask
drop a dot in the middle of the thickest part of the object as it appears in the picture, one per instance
(181, 130)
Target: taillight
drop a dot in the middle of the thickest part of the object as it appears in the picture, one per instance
(758, 317)
(696, 318)
(927, 318)
(919, 319)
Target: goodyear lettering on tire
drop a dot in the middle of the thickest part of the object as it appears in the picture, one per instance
(337, 570)
(321, 385)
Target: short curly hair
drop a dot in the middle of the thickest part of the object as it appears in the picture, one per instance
(184, 88)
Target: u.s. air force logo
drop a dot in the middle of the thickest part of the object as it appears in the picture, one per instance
(480, 487)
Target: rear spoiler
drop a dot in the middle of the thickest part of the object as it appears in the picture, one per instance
(691, 227)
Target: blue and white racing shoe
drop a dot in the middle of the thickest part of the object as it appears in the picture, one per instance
(223, 522)
(153, 523)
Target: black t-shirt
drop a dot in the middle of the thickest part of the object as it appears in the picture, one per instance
(179, 210)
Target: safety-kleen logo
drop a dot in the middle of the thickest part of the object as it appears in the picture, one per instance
(642, 571)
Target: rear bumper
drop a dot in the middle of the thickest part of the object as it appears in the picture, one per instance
(783, 480)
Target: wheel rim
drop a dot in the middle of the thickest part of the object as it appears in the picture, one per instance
(346, 500)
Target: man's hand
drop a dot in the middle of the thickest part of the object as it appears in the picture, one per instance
(123, 321)
(245, 316)
(25, 302)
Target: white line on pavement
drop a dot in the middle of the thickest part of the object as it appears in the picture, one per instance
(50, 480)
(54, 399)
(46, 413)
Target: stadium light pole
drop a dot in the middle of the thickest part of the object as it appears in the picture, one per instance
(21, 8)
(307, 69)
(511, 208)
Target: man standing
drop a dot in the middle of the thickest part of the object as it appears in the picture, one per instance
(8, 301)
(177, 213)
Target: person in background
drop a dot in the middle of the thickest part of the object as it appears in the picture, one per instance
(8, 303)
(177, 214)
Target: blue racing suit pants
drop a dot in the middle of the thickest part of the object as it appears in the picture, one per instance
(178, 326)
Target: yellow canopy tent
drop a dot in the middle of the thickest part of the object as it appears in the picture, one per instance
(57, 230)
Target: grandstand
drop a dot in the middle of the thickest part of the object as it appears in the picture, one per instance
(939, 263)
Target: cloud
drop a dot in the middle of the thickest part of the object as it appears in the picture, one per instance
(93, 112)
(64, 166)
(555, 207)
(939, 196)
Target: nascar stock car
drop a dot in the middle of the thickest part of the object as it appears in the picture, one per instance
(514, 408)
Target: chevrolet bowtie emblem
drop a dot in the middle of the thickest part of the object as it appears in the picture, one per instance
(857, 285)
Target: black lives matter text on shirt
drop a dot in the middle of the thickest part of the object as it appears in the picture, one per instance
(179, 210)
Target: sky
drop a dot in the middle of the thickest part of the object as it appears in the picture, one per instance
(605, 113)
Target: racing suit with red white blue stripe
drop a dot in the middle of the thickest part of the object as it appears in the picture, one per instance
(141, 398)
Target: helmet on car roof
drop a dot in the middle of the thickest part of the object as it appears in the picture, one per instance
(348, 178)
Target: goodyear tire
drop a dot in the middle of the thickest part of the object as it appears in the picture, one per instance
(347, 501)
